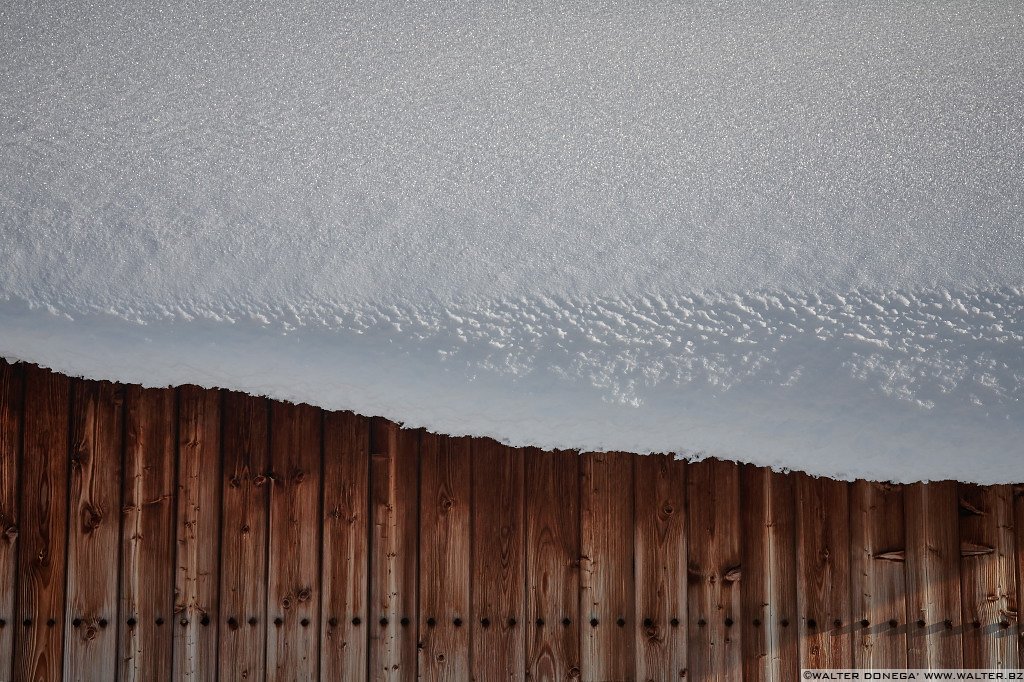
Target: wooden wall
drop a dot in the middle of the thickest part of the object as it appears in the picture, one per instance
(200, 534)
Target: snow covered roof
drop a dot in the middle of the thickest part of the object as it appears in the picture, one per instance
(784, 233)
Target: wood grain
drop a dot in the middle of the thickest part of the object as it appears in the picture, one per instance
(714, 647)
(293, 570)
(823, 576)
(42, 538)
(197, 568)
(988, 581)
(343, 647)
(607, 605)
(94, 531)
(11, 395)
(877, 581)
(148, 535)
(242, 626)
(499, 563)
(195, 534)
(933, 576)
(394, 536)
(444, 613)
(552, 564)
(659, 539)
(768, 580)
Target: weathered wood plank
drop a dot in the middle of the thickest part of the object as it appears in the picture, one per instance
(242, 627)
(606, 567)
(552, 564)
(444, 572)
(197, 568)
(147, 540)
(768, 581)
(94, 531)
(499, 563)
(293, 589)
(823, 577)
(43, 512)
(933, 576)
(660, 566)
(1018, 525)
(988, 584)
(11, 395)
(346, 551)
(877, 582)
(714, 609)
(394, 530)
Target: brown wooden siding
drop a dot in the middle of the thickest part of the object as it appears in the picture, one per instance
(200, 534)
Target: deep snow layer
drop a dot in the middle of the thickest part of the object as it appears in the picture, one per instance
(882, 385)
(498, 218)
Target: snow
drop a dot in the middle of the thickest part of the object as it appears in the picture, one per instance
(782, 233)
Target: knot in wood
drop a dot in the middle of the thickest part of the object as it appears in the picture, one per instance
(92, 517)
(305, 594)
(11, 533)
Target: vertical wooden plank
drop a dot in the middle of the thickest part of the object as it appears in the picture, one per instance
(499, 563)
(394, 527)
(933, 576)
(147, 542)
(823, 577)
(346, 552)
(293, 590)
(768, 584)
(94, 531)
(1018, 525)
(444, 547)
(242, 628)
(197, 568)
(877, 583)
(988, 586)
(10, 455)
(552, 565)
(44, 515)
(660, 567)
(606, 567)
(713, 594)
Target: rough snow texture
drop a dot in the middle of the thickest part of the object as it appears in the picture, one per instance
(785, 233)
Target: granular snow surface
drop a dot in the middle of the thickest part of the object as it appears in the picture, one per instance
(782, 233)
